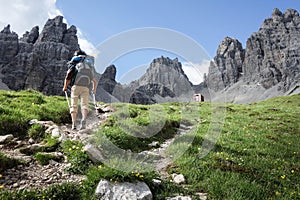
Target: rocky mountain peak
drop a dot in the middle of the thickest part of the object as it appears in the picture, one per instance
(228, 46)
(7, 34)
(163, 79)
(166, 61)
(269, 65)
(6, 29)
(32, 36)
(276, 13)
(226, 68)
(110, 72)
(37, 61)
(53, 30)
(273, 53)
(279, 20)
(107, 79)
(8, 45)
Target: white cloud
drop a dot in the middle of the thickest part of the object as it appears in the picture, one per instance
(24, 15)
(85, 45)
(195, 71)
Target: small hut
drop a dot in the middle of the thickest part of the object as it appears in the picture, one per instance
(198, 97)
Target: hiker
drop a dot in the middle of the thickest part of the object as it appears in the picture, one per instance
(80, 75)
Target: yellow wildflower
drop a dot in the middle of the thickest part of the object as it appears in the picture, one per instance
(1, 186)
(0, 175)
(100, 167)
(74, 147)
(277, 193)
(283, 176)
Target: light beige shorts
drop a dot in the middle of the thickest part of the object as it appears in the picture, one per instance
(82, 93)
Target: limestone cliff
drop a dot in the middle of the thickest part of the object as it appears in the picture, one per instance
(37, 61)
(269, 66)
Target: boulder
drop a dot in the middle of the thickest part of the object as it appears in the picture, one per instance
(107, 190)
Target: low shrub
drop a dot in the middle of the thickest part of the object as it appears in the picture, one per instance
(79, 160)
(66, 191)
(44, 158)
(6, 162)
(36, 132)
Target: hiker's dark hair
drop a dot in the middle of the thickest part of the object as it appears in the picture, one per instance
(79, 52)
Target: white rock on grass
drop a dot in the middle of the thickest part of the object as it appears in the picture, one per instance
(107, 190)
(178, 178)
(179, 198)
(6, 138)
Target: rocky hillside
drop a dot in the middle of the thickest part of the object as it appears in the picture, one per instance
(269, 66)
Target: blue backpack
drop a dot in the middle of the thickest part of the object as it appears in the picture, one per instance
(82, 69)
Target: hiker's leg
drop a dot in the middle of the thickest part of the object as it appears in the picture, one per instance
(74, 105)
(84, 106)
(74, 118)
(84, 102)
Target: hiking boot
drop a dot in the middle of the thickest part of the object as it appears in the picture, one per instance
(82, 124)
(73, 127)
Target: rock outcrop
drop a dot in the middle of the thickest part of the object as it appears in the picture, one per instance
(9, 45)
(37, 61)
(163, 81)
(269, 66)
(107, 80)
(273, 53)
(227, 66)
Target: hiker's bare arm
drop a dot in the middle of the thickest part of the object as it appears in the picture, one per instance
(95, 83)
(66, 83)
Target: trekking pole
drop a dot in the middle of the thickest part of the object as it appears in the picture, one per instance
(67, 99)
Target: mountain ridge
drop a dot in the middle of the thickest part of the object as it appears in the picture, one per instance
(267, 67)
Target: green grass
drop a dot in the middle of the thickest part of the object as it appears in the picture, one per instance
(18, 108)
(76, 156)
(65, 191)
(252, 149)
(256, 156)
(134, 127)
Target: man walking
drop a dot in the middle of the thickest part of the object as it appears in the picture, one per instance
(80, 75)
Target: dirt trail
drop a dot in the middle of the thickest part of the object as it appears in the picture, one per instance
(33, 175)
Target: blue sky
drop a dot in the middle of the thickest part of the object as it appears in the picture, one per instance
(204, 22)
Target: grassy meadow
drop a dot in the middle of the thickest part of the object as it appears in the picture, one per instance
(253, 152)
